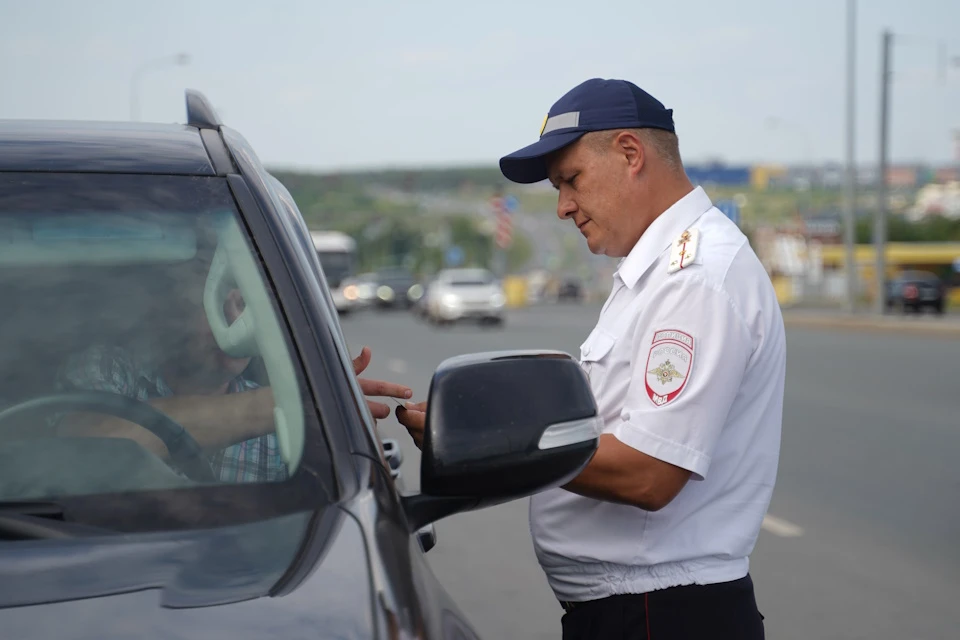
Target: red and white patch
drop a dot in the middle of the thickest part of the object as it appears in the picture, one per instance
(668, 366)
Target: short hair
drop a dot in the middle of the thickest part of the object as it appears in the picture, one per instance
(664, 144)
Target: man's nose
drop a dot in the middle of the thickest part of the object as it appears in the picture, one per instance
(566, 207)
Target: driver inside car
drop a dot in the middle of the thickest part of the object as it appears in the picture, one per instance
(184, 374)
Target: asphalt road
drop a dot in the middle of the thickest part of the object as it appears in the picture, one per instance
(863, 532)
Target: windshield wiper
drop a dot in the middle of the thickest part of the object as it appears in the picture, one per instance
(40, 521)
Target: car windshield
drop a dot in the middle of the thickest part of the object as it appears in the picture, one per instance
(394, 275)
(471, 278)
(141, 346)
(919, 277)
(336, 264)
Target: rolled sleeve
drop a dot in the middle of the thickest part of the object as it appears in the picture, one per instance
(684, 430)
(99, 368)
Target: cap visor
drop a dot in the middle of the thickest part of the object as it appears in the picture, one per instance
(528, 165)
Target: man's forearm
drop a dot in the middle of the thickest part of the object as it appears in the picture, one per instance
(621, 474)
(215, 422)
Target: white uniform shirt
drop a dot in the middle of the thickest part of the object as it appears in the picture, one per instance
(687, 367)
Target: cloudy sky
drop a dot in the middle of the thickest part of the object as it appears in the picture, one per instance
(357, 83)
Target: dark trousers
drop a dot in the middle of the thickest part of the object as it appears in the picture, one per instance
(725, 611)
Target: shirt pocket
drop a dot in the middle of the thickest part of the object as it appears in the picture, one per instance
(597, 346)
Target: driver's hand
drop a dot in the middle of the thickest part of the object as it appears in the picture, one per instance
(377, 387)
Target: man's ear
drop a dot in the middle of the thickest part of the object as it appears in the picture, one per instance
(631, 148)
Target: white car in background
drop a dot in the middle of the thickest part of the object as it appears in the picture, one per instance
(462, 294)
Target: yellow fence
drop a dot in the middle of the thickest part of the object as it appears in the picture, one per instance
(896, 254)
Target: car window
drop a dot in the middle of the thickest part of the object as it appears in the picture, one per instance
(471, 278)
(141, 346)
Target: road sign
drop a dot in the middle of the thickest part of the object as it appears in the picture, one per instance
(454, 256)
(730, 209)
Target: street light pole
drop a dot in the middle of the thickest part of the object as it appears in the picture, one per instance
(880, 221)
(850, 190)
(180, 59)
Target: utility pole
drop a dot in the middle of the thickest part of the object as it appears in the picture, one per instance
(880, 221)
(850, 190)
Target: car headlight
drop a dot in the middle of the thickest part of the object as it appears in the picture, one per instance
(385, 293)
(351, 292)
(498, 300)
(415, 292)
(450, 300)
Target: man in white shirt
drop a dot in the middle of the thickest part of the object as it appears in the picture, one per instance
(687, 363)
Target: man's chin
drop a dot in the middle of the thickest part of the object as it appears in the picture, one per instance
(232, 367)
(596, 248)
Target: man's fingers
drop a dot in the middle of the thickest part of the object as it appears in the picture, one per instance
(414, 422)
(417, 406)
(411, 418)
(361, 362)
(378, 409)
(386, 389)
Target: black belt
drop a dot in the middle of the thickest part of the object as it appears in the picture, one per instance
(570, 606)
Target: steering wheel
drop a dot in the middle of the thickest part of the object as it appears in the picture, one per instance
(183, 449)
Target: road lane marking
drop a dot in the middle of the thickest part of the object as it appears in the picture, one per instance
(397, 366)
(780, 527)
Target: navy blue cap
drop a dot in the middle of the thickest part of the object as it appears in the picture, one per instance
(594, 105)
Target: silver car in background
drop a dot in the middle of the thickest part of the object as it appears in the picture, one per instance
(461, 294)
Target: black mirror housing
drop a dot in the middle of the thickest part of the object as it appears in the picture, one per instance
(504, 425)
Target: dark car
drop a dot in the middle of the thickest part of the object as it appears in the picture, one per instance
(570, 289)
(397, 288)
(915, 291)
(261, 507)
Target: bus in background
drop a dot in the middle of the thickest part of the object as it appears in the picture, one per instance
(337, 253)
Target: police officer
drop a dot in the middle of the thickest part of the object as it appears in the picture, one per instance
(687, 363)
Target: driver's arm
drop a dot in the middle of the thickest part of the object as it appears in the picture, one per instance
(215, 422)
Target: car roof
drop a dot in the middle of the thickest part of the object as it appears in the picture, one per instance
(103, 147)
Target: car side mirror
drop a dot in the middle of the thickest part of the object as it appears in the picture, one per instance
(500, 426)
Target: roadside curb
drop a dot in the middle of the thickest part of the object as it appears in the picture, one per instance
(918, 326)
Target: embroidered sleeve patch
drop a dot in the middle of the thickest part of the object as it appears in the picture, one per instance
(668, 366)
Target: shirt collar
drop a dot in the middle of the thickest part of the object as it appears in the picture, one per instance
(658, 236)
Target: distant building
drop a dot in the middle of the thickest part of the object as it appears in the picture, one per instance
(902, 177)
(936, 199)
(719, 174)
(947, 174)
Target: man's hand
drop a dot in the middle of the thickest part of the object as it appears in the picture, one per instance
(377, 387)
(414, 417)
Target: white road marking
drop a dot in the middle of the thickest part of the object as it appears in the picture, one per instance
(780, 527)
(397, 366)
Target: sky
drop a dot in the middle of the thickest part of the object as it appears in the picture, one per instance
(361, 84)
